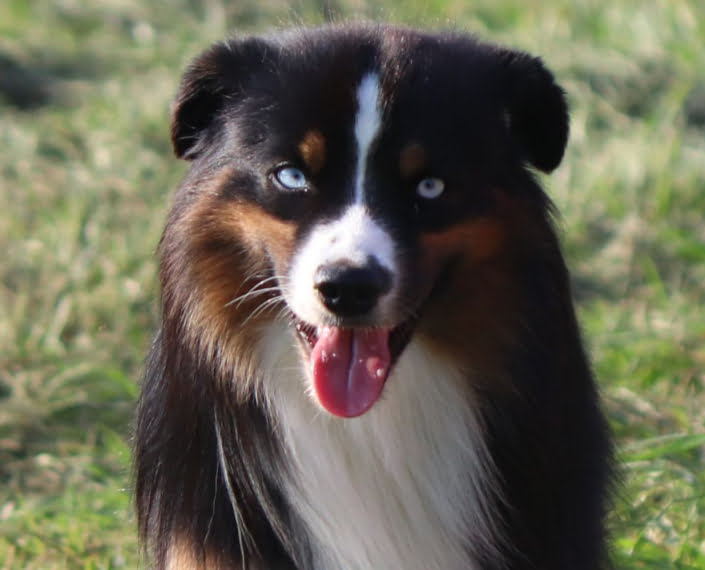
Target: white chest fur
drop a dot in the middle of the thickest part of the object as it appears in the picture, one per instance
(404, 485)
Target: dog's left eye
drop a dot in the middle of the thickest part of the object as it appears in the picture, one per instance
(430, 188)
(291, 178)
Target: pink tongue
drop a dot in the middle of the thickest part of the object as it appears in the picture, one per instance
(350, 367)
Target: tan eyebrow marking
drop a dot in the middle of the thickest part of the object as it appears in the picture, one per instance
(313, 150)
(412, 160)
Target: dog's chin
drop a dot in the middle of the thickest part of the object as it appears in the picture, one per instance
(349, 366)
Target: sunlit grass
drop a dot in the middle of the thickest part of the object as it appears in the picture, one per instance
(85, 178)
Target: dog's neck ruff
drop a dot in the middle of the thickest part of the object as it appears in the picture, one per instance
(406, 485)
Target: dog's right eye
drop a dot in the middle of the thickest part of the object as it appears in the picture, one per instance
(291, 178)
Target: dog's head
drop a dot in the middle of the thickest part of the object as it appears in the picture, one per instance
(366, 184)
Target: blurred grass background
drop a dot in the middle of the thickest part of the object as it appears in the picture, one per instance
(85, 179)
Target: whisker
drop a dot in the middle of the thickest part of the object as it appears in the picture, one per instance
(249, 295)
(284, 314)
(263, 307)
(257, 289)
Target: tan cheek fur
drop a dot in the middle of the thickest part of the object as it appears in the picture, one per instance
(480, 296)
(225, 253)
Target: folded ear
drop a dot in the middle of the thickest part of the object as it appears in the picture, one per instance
(536, 110)
(216, 76)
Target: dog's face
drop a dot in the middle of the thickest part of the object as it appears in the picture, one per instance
(366, 185)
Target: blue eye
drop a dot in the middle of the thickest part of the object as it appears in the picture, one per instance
(430, 188)
(291, 178)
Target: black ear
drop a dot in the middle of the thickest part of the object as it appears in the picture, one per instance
(536, 110)
(215, 77)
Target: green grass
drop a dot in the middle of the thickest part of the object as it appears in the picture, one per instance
(85, 178)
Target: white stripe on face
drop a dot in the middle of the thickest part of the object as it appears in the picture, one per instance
(368, 122)
(355, 237)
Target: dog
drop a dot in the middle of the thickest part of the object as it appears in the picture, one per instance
(368, 355)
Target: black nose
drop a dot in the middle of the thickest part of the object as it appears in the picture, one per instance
(350, 291)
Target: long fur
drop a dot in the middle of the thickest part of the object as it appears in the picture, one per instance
(487, 448)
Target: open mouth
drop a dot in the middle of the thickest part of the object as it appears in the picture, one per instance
(350, 366)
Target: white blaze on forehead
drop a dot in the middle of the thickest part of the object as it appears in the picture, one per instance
(367, 125)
